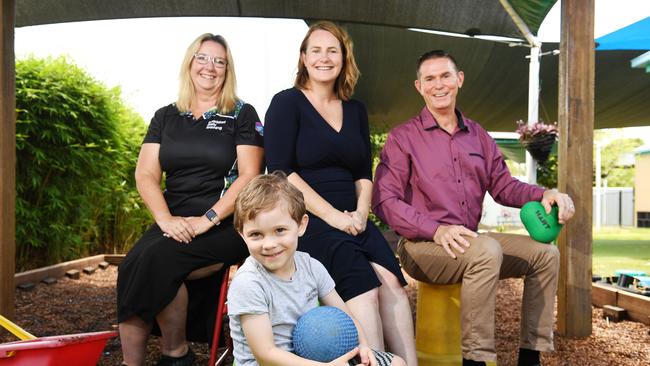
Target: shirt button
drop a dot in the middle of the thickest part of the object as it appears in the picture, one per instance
(463, 203)
(455, 159)
(459, 181)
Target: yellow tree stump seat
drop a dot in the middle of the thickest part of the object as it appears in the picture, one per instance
(437, 325)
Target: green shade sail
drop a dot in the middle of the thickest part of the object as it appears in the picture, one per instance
(532, 12)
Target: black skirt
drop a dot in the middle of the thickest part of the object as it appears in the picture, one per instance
(152, 272)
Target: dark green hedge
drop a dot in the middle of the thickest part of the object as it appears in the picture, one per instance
(76, 146)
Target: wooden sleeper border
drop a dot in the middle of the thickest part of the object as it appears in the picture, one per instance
(46, 274)
(637, 307)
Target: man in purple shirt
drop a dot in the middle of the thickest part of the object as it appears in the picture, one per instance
(429, 186)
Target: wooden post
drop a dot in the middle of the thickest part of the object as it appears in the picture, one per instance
(7, 158)
(576, 119)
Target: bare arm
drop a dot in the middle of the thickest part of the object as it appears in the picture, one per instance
(148, 175)
(249, 165)
(364, 193)
(363, 176)
(318, 206)
(259, 334)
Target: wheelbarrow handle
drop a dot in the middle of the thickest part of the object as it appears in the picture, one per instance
(15, 329)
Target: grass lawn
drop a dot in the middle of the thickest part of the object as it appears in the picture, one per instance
(621, 248)
(617, 248)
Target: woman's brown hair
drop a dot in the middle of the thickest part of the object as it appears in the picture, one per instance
(347, 79)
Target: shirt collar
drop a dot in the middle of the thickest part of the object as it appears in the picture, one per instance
(429, 121)
(206, 115)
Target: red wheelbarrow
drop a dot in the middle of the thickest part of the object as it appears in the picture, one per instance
(70, 350)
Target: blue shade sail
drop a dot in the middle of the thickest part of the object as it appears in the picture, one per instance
(635, 36)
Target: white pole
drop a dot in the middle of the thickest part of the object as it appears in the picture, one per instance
(604, 201)
(533, 106)
(533, 80)
(598, 185)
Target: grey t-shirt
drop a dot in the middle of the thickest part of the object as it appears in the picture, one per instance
(256, 291)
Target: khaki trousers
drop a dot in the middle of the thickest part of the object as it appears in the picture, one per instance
(489, 258)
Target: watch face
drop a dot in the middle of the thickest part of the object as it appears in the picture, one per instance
(211, 215)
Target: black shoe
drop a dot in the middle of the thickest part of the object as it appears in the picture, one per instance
(467, 362)
(528, 357)
(186, 360)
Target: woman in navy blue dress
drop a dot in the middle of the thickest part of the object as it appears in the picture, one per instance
(319, 137)
(209, 145)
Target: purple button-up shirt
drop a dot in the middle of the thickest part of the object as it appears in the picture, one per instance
(428, 177)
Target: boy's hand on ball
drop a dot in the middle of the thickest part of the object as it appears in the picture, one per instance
(343, 360)
(367, 357)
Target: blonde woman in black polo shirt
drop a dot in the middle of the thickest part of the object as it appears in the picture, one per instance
(208, 145)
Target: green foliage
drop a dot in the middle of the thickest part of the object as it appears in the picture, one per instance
(547, 173)
(76, 147)
(617, 174)
(377, 141)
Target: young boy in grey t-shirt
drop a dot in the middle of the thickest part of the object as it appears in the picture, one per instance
(277, 284)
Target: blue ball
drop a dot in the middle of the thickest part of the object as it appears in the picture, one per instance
(324, 334)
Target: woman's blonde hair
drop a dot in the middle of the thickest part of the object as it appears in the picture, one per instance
(347, 79)
(228, 95)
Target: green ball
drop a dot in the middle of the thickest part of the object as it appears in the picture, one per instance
(541, 226)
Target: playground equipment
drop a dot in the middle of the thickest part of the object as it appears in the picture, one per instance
(73, 349)
(631, 280)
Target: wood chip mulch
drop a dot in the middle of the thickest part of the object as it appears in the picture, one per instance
(88, 304)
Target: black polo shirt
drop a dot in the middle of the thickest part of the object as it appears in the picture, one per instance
(198, 156)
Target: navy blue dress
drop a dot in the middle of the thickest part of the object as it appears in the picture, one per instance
(298, 139)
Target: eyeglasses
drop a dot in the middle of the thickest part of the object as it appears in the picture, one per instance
(203, 59)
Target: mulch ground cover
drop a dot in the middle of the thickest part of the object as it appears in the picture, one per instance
(88, 305)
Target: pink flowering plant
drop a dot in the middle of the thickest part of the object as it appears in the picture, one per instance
(538, 139)
(536, 130)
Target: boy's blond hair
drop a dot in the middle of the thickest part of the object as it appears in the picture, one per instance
(264, 193)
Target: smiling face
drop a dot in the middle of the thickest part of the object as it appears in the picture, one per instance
(323, 58)
(207, 78)
(272, 239)
(438, 83)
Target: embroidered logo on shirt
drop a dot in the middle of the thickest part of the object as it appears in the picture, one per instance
(214, 125)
